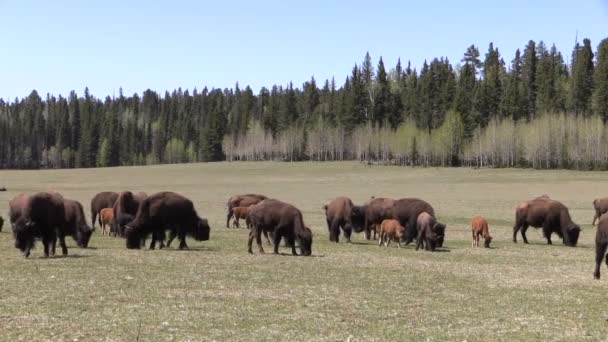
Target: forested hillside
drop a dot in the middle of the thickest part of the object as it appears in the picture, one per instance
(538, 110)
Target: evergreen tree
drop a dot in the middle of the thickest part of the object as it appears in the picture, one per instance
(582, 78)
(600, 82)
(529, 78)
(382, 102)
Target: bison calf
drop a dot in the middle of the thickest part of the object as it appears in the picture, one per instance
(240, 213)
(391, 230)
(106, 219)
(479, 228)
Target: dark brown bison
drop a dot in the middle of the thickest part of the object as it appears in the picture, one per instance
(162, 211)
(391, 230)
(479, 228)
(430, 232)
(42, 217)
(407, 210)
(601, 244)
(372, 214)
(125, 209)
(16, 207)
(339, 215)
(601, 206)
(76, 225)
(283, 221)
(102, 200)
(549, 214)
(242, 201)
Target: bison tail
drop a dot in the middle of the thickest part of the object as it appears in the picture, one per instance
(325, 207)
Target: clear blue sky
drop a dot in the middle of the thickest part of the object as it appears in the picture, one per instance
(57, 46)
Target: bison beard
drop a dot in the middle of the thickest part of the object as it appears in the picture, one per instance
(162, 211)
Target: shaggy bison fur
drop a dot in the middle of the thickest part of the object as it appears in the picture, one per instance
(372, 214)
(125, 208)
(283, 220)
(162, 211)
(551, 215)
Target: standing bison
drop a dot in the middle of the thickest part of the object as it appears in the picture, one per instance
(407, 210)
(430, 232)
(601, 206)
(242, 201)
(42, 217)
(549, 214)
(125, 209)
(373, 213)
(601, 244)
(76, 225)
(339, 215)
(282, 220)
(101, 201)
(162, 211)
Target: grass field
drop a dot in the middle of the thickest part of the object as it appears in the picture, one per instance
(216, 291)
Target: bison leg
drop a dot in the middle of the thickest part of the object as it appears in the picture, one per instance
(600, 250)
(368, 231)
(235, 222)
(419, 239)
(228, 217)
(276, 240)
(181, 235)
(334, 231)
(258, 240)
(515, 230)
(267, 239)
(250, 241)
(380, 239)
(172, 236)
(595, 217)
(64, 248)
(523, 230)
(47, 243)
(93, 217)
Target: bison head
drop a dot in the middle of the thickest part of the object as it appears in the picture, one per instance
(487, 241)
(439, 230)
(357, 218)
(83, 236)
(24, 232)
(305, 238)
(573, 231)
(133, 237)
(202, 230)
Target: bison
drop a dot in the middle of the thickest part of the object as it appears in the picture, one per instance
(76, 225)
(283, 220)
(601, 244)
(391, 230)
(100, 201)
(407, 210)
(339, 215)
(1, 223)
(162, 211)
(430, 232)
(106, 219)
(16, 207)
(242, 201)
(43, 217)
(479, 228)
(240, 213)
(125, 209)
(601, 206)
(551, 215)
(372, 214)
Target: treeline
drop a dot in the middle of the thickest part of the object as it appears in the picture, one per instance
(536, 111)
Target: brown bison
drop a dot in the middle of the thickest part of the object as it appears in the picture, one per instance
(76, 225)
(125, 209)
(601, 244)
(430, 232)
(16, 207)
(407, 210)
(339, 215)
(372, 214)
(162, 211)
(102, 200)
(240, 213)
(391, 230)
(106, 219)
(43, 217)
(283, 221)
(242, 201)
(549, 214)
(601, 206)
(479, 228)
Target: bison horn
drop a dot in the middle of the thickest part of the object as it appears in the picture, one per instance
(29, 223)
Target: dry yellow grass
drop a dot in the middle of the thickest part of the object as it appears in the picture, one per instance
(216, 291)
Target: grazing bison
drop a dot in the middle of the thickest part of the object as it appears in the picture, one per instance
(102, 200)
(601, 206)
(242, 201)
(125, 209)
(479, 228)
(406, 211)
(42, 217)
(106, 219)
(391, 230)
(601, 244)
(162, 211)
(283, 221)
(339, 215)
(549, 214)
(76, 225)
(430, 232)
(240, 213)
(373, 213)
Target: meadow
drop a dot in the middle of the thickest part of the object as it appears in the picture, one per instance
(357, 292)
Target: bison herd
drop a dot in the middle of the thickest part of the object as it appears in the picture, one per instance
(50, 217)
